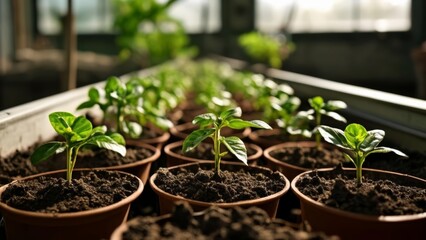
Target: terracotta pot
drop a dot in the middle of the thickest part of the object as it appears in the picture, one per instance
(174, 158)
(350, 225)
(208, 217)
(140, 168)
(289, 170)
(118, 232)
(167, 200)
(90, 224)
(180, 132)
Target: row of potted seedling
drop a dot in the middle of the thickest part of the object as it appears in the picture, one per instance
(127, 109)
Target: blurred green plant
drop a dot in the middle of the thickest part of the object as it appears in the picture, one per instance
(266, 48)
(320, 107)
(147, 33)
(128, 106)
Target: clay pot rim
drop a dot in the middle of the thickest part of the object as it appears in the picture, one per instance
(70, 215)
(168, 150)
(222, 205)
(177, 130)
(358, 216)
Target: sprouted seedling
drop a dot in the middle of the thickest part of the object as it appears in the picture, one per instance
(319, 108)
(210, 126)
(357, 143)
(77, 132)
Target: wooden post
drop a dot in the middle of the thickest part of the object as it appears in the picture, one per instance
(19, 19)
(69, 80)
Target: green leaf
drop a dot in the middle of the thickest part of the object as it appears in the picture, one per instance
(286, 89)
(195, 138)
(112, 84)
(104, 141)
(333, 105)
(82, 129)
(99, 130)
(336, 116)
(355, 134)
(163, 123)
(118, 138)
(334, 136)
(94, 94)
(133, 129)
(46, 151)
(232, 112)
(316, 102)
(240, 124)
(204, 119)
(61, 122)
(372, 140)
(388, 149)
(87, 104)
(236, 147)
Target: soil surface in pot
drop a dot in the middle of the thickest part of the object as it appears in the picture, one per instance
(414, 165)
(203, 185)
(215, 223)
(19, 163)
(56, 195)
(205, 151)
(373, 197)
(309, 157)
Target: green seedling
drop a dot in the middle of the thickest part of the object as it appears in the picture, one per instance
(357, 143)
(319, 107)
(77, 132)
(211, 125)
(265, 48)
(129, 105)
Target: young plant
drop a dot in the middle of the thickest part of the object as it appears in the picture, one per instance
(357, 143)
(319, 108)
(77, 132)
(128, 104)
(210, 126)
(120, 100)
(264, 48)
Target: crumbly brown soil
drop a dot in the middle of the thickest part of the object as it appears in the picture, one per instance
(19, 164)
(56, 195)
(231, 186)
(309, 157)
(216, 223)
(205, 151)
(376, 196)
(414, 165)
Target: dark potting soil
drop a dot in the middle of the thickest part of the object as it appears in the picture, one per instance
(216, 223)
(309, 157)
(19, 164)
(56, 195)
(203, 185)
(373, 197)
(414, 165)
(205, 151)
